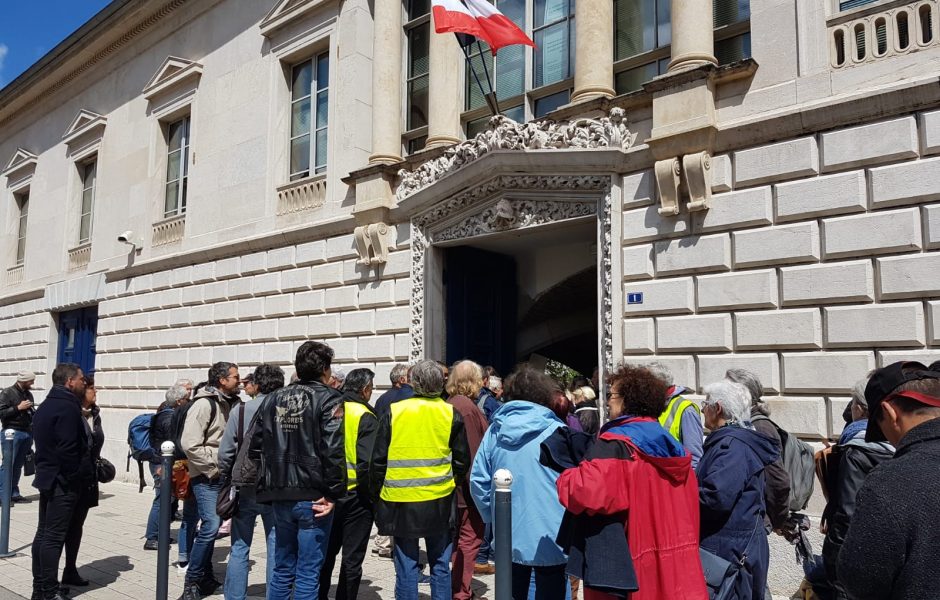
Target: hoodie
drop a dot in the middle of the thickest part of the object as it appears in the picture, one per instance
(731, 493)
(636, 469)
(513, 442)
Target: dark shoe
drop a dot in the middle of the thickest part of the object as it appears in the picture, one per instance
(58, 596)
(486, 569)
(209, 585)
(151, 545)
(384, 553)
(73, 578)
(191, 591)
(20, 500)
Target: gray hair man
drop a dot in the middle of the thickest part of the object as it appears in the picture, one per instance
(16, 413)
(682, 417)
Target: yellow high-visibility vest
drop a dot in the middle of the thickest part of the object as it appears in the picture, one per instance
(419, 457)
(671, 419)
(353, 415)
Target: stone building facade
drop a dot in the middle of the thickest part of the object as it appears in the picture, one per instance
(188, 181)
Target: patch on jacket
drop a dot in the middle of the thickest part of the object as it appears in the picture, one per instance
(290, 415)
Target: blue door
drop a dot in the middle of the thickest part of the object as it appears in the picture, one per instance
(77, 332)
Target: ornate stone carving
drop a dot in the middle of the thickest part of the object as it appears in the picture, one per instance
(503, 134)
(698, 178)
(372, 243)
(475, 212)
(668, 173)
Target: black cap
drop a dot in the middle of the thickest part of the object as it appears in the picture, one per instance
(882, 384)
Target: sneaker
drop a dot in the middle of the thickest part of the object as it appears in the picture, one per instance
(486, 569)
(182, 567)
(191, 591)
(384, 553)
(151, 545)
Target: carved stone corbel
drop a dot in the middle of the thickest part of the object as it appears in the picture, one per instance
(698, 179)
(372, 243)
(667, 178)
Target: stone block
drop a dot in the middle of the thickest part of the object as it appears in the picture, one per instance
(323, 325)
(212, 335)
(906, 183)
(225, 312)
(667, 296)
(215, 291)
(203, 273)
(930, 132)
(341, 247)
(327, 275)
(822, 196)
(638, 189)
(192, 294)
(746, 208)
(279, 306)
(798, 328)
(639, 336)
(722, 174)
(292, 328)
(181, 276)
(357, 323)
(398, 265)
(249, 355)
(402, 347)
(376, 293)
(694, 333)
(343, 349)
(836, 406)
(712, 368)
(393, 320)
(176, 317)
(833, 282)
(736, 291)
(239, 288)
(700, 254)
(933, 322)
(309, 302)
(912, 276)
(237, 333)
(825, 371)
(281, 353)
(776, 162)
(280, 258)
(879, 325)
(266, 284)
(264, 330)
(780, 245)
(340, 299)
(879, 232)
(403, 289)
(805, 416)
(638, 262)
(311, 253)
(376, 348)
(201, 314)
(874, 143)
(295, 280)
(227, 268)
(250, 308)
(252, 264)
(681, 367)
(160, 280)
(646, 224)
(931, 218)
(925, 357)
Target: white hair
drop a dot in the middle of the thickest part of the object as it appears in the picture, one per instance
(660, 371)
(733, 398)
(494, 383)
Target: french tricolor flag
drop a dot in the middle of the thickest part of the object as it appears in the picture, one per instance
(480, 19)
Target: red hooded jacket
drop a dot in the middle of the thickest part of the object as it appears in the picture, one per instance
(637, 470)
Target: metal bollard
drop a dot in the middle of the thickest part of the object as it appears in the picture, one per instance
(7, 495)
(502, 534)
(163, 535)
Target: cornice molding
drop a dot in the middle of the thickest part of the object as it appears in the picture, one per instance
(21, 161)
(172, 72)
(85, 122)
(286, 12)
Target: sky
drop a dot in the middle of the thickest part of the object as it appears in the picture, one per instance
(29, 29)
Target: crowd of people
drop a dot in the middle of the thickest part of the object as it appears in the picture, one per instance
(642, 506)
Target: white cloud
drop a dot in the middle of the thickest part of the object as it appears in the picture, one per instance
(3, 55)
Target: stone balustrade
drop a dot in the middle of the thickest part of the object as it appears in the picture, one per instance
(882, 30)
(169, 230)
(79, 256)
(302, 195)
(14, 275)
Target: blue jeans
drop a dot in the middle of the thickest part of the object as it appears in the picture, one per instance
(22, 442)
(486, 552)
(153, 521)
(405, 555)
(200, 555)
(299, 550)
(243, 529)
(187, 533)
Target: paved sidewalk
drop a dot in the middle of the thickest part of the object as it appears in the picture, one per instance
(113, 559)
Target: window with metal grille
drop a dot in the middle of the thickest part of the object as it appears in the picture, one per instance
(89, 172)
(310, 97)
(177, 167)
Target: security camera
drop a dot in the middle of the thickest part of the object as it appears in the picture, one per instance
(127, 238)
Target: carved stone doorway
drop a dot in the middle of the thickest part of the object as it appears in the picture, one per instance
(509, 206)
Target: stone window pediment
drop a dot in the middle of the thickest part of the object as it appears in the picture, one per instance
(85, 132)
(20, 167)
(286, 12)
(176, 76)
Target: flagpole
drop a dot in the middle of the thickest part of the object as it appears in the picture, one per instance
(491, 96)
(491, 99)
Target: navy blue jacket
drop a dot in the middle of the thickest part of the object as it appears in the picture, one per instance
(731, 494)
(61, 439)
(391, 396)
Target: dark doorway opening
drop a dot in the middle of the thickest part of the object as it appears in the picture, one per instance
(524, 296)
(78, 330)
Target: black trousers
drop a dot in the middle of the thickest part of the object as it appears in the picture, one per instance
(352, 526)
(56, 507)
(73, 538)
(550, 582)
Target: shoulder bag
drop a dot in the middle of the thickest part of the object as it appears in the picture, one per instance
(226, 506)
(721, 575)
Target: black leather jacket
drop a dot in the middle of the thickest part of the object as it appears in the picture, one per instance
(12, 417)
(300, 444)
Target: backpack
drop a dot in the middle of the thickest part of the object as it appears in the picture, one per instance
(138, 444)
(799, 461)
(179, 422)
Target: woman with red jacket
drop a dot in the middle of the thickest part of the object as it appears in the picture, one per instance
(636, 468)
